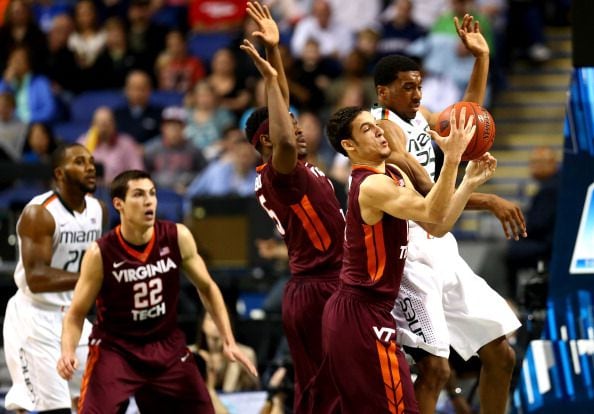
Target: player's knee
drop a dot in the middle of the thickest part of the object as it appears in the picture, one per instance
(498, 354)
(434, 370)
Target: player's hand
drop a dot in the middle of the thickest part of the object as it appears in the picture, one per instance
(268, 33)
(480, 170)
(470, 34)
(67, 365)
(461, 133)
(263, 66)
(233, 354)
(511, 217)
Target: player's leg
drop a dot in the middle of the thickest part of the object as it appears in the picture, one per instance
(479, 320)
(108, 382)
(32, 348)
(433, 374)
(498, 360)
(179, 389)
(423, 331)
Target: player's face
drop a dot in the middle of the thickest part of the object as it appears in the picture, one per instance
(368, 139)
(79, 169)
(300, 138)
(403, 95)
(140, 206)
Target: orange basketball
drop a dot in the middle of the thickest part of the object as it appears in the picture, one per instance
(483, 135)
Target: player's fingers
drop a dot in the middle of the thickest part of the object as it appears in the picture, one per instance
(267, 12)
(457, 24)
(477, 27)
(256, 8)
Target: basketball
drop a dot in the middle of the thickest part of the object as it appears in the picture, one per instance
(485, 128)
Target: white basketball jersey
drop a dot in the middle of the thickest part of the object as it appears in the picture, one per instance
(418, 140)
(73, 233)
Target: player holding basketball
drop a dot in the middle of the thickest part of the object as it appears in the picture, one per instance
(360, 344)
(53, 233)
(441, 301)
(301, 201)
(136, 347)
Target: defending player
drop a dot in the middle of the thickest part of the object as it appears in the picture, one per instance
(301, 201)
(441, 301)
(360, 344)
(136, 347)
(53, 233)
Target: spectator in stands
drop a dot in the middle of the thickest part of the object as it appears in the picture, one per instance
(115, 150)
(366, 43)
(527, 252)
(319, 152)
(115, 61)
(39, 144)
(20, 29)
(221, 374)
(34, 99)
(172, 160)
(44, 12)
(334, 39)
(88, 39)
(176, 70)
(12, 130)
(354, 76)
(400, 31)
(138, 117)
(233, 174)
(227, 83)
(526, 30)
(206, 119)
(221, 15)
(62, 68)
(145, 38)
(356, 15)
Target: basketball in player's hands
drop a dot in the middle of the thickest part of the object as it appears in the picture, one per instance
(485, 128)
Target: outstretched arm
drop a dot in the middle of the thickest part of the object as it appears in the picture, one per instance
(470, 33)
(210, 295)
(87, 288)
(280, 124)
(269, 35)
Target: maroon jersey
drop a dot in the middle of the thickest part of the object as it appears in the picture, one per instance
(139, 295)
(307, 214)
(373, 255)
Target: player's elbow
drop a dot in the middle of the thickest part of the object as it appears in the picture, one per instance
(36, 283)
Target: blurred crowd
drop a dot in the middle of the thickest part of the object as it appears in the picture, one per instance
(52, 52)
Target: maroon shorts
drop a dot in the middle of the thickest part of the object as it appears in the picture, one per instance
(365, 363)
(304, 299)
(162, 375)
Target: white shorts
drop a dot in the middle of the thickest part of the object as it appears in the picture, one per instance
(32, 349)
(442, 302)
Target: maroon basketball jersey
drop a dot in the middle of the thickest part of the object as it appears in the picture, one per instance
(373, 255)
(138, 298)
(307, 214)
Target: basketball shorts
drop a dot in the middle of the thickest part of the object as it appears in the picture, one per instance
(303, 304)
(161, 374)
(365, 362)
(442, 302)
(32, 349)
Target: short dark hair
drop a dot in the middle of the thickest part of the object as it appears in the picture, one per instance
(339, 126)
(387, 68)
(256, 118)
(59, 155)
(119, 185)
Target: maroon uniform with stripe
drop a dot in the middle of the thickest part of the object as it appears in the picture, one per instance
(308, 216)
(364, 360)
(136, 346)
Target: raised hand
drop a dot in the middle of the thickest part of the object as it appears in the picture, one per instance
(263, 66)
(268, 33)
(470, 34)
(461, 132)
